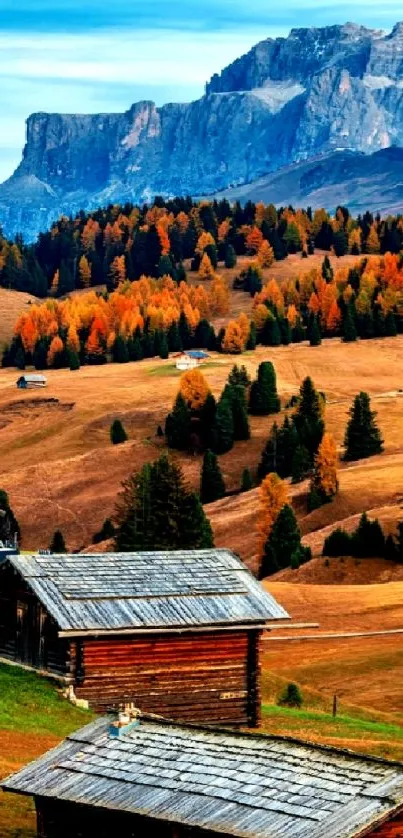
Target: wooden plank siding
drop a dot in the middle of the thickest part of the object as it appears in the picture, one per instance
(193, 677)
(389, 829)
(28, 634)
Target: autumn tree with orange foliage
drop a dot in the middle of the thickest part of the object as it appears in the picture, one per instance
(234, 338)
(265, 256)
(117, 271)
(324, 484)
(254, 240)
(194, 389)
(206, 270)
(55, 350)
(84, 269)
(273, 495)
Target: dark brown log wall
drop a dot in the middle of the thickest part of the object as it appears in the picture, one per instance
(28, 634)
(57, 819)
(211, 677)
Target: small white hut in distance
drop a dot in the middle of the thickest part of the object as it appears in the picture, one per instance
(191, 359)
(31, 380)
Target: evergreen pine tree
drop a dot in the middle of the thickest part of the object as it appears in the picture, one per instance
(271, 334)
(283, 547)
(349, 330)
(239, 377)
(237, 400)
(40, 355)
(180, 273)
(268, 460)
(315, 338)
(399, 544)
(206, 421)
(301, 463)
(338, 543)
(327, 270)
(251, 344)
(230, 257)
(308, 418)
(246, 482)
(106, 532)
(136, 350)
(74, 360)
(174, 338)
(223, 430)
(19, 359)
(285, 331)
(118, 433)
(156, 510)
(390, 552)
(177, 426)
(263, 398)
(195, 528)
(368, 540)
(390, 325)
(185, 332)
(340, 242)
(212, 486)
(363, 438)
(120, 352)
(163, 348)
(57, 544)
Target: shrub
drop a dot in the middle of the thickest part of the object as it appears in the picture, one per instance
(106, 532)
(57, 544)
(338, 543)
(118, 433)
(291, 696)
(247, 481)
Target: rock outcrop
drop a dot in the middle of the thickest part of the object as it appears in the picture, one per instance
(287, 100)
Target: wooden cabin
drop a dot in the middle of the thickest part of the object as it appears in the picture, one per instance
(31, 381)
(191, 359)
(173, 781)
(176, 633)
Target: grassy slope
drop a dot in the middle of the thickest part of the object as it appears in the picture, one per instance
(53, 450)
(33, 718)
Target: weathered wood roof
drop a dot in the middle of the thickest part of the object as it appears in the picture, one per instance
(249, 786)
(147, 591)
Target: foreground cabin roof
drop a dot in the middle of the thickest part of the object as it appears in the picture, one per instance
(241, 785)
(112, 592)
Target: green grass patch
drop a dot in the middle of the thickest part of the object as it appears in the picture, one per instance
(378, 738)
(31, 703)
(167, 370)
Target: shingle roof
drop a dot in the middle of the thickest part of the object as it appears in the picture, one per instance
(249, 786)
(147, 591)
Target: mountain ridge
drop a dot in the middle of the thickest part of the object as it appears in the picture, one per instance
(285, 101)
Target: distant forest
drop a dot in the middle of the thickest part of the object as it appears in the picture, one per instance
(145, 257)
(153, 241)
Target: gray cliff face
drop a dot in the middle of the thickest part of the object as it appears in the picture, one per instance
(287, 100)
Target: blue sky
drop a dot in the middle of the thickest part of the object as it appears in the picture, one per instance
(93, 55)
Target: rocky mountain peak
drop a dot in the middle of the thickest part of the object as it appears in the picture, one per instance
(287, 100)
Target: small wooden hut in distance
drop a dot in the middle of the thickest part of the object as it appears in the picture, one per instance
(177, 633)
(170, 781)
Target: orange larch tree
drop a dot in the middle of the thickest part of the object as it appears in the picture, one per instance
(273, 495)
(194, 389)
